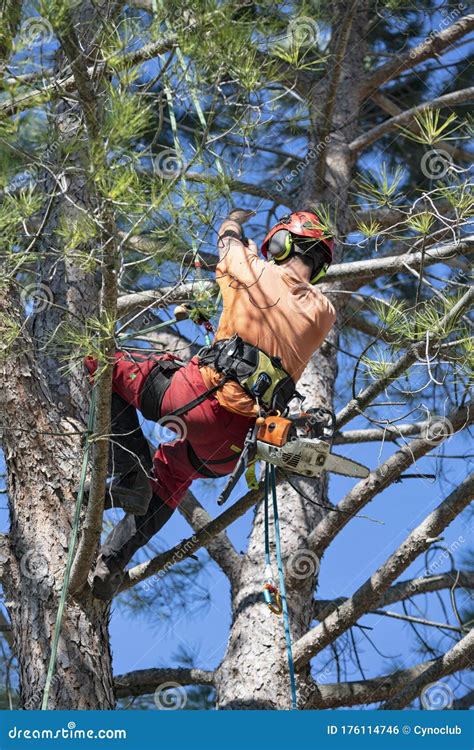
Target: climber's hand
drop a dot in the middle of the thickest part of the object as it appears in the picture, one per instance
(241, 215)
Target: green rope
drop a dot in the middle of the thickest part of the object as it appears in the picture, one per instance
(70, 557)
(150, 329)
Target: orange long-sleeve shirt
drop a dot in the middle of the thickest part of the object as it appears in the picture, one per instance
(271, 308)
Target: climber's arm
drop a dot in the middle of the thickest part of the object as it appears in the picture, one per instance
(231, 229)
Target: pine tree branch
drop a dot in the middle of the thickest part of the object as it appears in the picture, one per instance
(365, 598)
(248, 188)
(393, 109)
(403, 590)
(150, 245)
(385, 217)
(366, 396)
(219, 547)
(447, 100)
(460, 656)
(427, 49)
(366, 270)
(182, 292)
(358, 692)
(362, 324)
(417, 620)
(464, 702)
(382, 477)
(147, 681)
(161, 563)
(375, 434)
(60, 85)
(360, 271)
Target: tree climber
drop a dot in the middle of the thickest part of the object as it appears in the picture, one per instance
(273, 320)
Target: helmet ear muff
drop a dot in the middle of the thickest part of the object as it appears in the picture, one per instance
(280, 245)
(320, 273)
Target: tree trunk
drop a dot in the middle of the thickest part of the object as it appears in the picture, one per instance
(254, 671)
(42, 471)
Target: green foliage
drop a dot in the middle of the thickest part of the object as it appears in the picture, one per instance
(369, 228)
(15, 209)
(9, 332)
(407, 325)
(126, 116)
(382, 189)
(76, 232)
(78, 341)
(430, 130)
(421, 223)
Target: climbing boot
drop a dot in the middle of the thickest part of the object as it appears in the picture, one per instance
(107, 578)
(130, 491)
(125, 539)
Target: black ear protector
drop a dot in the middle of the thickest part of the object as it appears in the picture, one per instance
(313, 250)
(283, 244)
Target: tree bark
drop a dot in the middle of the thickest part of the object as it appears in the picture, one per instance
(41, 451)
(254, 671)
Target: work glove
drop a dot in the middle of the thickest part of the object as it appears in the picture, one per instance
(241, 215)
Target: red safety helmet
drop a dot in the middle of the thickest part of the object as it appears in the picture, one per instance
(292, 235)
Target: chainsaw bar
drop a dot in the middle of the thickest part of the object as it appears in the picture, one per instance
(345, 466)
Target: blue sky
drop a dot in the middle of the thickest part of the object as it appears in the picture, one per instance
(141, 641)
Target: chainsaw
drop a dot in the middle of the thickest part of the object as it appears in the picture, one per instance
(299, 444)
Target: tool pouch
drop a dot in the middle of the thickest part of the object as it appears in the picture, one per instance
(259, 374)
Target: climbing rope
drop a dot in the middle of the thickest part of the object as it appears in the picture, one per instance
(70, 556)
(276, 599)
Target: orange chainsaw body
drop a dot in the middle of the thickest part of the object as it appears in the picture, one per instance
(274, 430)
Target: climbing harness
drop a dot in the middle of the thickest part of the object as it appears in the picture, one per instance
(276, 598)
(258, 374)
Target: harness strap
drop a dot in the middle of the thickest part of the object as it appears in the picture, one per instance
(196, 401)
(202, 465)
(259, 374)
